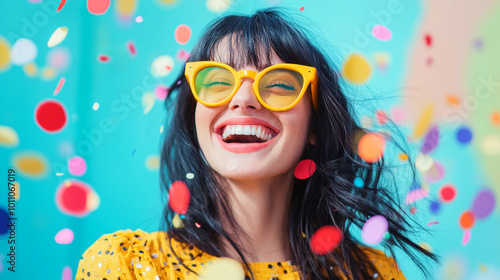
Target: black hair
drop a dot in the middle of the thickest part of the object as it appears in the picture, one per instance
(328, 197)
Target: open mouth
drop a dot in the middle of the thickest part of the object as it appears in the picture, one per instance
(246, 134)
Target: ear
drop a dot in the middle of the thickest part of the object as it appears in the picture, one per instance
(312, 139)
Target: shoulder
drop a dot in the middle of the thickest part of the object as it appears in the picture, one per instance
(385, 265)
(123, 254)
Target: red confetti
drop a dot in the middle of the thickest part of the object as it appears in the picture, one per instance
(131, 48)
(305, 168)
(326, 239)
(103, 58)
(59, 86)
(179, 197)
(413, 210)
(432, 223)
(197, 225)
(51, 116)
(72, 196)
(61, 5)
(98, 7)
(382, 117)
(302, 9)
(447, 193)
(428, 40)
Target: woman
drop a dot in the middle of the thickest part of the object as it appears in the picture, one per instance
(255, 98)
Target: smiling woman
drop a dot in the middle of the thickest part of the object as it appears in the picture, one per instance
(255, 99)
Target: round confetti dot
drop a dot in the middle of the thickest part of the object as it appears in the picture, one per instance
(125, 8)
(95, 106)
(183, 55)
(464, 135)
(381, 117)
(4, 221)
(72, 196)
(304, 169)
(302, 9)
(424, 162)
(64, 236)
(48, 73)
(57, 37)
(139, 19)
(447, 193)
(358, 182)
(371, 147)
(435, 207)
(467, 220)
(403, 157)
(431, 140)
(98, 7)
(67, 274)
(153, 162)
(179, 197)
(30, 69)
(374, 230)
(326, 239)
(483, 204)
(162, 66)
(356, 69)
(4, 54)
(490, 145)
(161, 92)
(23, 52)
(495, 118)
(77, 166)
(435, 173)
(177, 221)
(8, 137)
(182, 34)
(382, 59)
(189, 175)
(381, 32)
(218, 6)
(30, 164)
(50, 116)
(398, 114)
(103, 58)
(59, 58)
(452, 99)
(231, 269)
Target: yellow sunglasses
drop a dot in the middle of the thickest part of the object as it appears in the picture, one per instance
(278, 87)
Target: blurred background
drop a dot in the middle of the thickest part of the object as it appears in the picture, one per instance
(82, 85)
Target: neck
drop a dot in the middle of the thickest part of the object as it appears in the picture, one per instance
(260, 207)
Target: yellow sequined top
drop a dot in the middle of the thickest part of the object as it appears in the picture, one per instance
(127, 255)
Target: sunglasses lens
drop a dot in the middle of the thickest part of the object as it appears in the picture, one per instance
(280, 87)
(214, 84)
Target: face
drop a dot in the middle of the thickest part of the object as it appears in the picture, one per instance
(287, 131)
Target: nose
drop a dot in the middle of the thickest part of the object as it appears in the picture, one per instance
(245, 98)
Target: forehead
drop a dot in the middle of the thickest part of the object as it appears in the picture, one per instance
(238, 54)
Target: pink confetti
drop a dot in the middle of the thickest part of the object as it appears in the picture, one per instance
(77, 166)
(197, 225)
(59, 86)
(103, 58)
(138, 19)
(416, 195)
(302, 9)
(98, 7)
(432, 223)
(131, 48)
(67, 273)
(381, 32)
(466, 238)
(161, 92)
(64, 236)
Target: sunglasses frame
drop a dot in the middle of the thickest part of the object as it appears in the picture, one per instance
(308, 74)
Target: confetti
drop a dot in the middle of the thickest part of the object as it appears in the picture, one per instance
(326, 239)
(381, 117)
(415, 195)
(162, 66)
(77, 166)
(133, 152)
(423, 122)
(467, 220)
(153, 162)
(381, 32)
(304, 169)
(371, 147)
(374, 230)
(98, 7)
(483, 204)
(431, 140)
(179, 197)
(190, 175)
(148, 101)
(177, 221)
(495, 117)
(64, 236)
(23, 51)
(103, 58)
(435, 173)
(428, 40)
(125, 8)
(466, 238)
(231, 269)
(59, 85)
(432, 223)
(76, 198)
(452, 99)
(48, 73)
(182, 55)
(139, 19)
(490, 145)
(424, 162)
(464, 135)
(358, 182)
(435, 207)
(30, 69)
(67, 274)
(95, 107)
(50, 116)
(218, 6)
(8, 136)
(161, 92)
(356, 69)
(447, 193)
(57, 37)
(382, 59)
(182, 34)
(131, 48)
(197, 225)
(61, 5)
(302, 9)
(4, 54)
(59, 58)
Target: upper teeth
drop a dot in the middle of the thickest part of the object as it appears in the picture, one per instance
(256, 130)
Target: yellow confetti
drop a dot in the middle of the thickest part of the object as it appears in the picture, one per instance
(356, 69)
(177, 221)
(4, 54)
(126, 8)
(30, 69)
(153, 162)
(31, 164)
(8, 137)
(424, 122)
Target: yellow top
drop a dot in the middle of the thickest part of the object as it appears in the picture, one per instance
(127, 255)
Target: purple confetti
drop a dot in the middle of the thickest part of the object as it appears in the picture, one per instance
(431, 140)
(484, 203)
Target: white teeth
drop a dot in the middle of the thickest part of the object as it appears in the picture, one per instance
(256, 130)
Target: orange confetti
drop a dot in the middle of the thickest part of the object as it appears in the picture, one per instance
(371, 147)
(452, 99)
(403, 157)
(495, 118)
(467, 220)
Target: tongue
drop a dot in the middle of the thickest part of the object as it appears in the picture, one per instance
(243, 139)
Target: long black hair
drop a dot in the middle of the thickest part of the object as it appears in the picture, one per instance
(328, 197)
